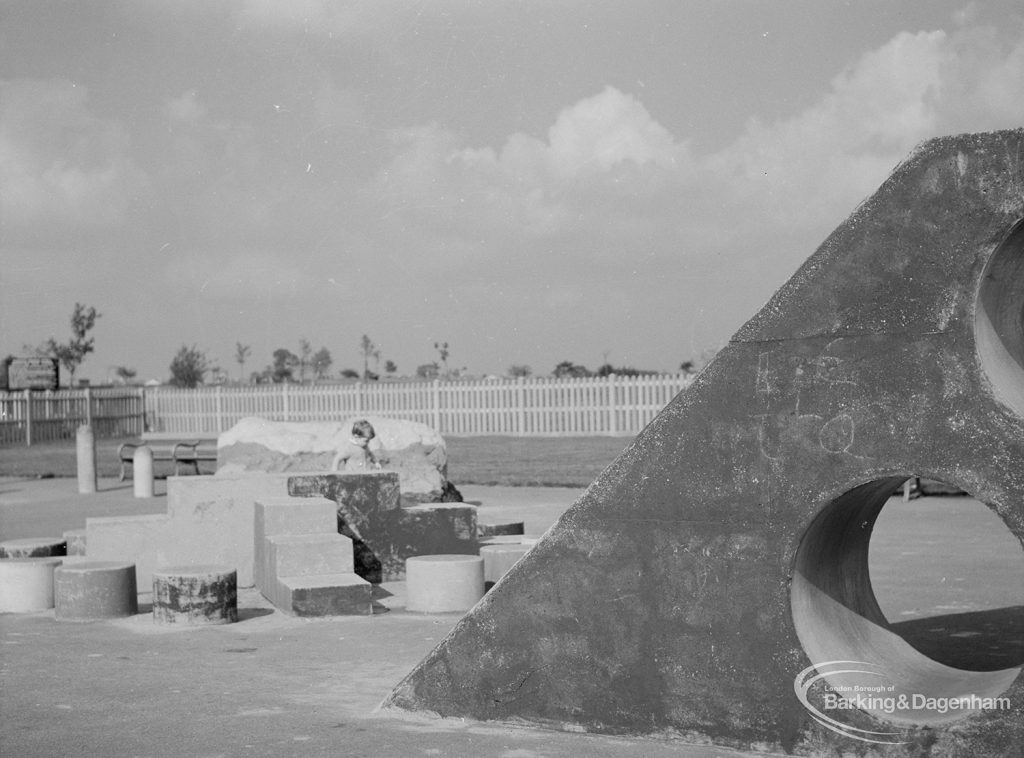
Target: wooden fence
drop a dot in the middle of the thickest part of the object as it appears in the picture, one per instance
(519, 407)
(33, 417)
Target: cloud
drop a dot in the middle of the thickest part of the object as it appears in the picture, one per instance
(609, 173)
(607, 130)
(818, 164)
(242, 275)
(320, 16)
(604, 144)
(185, 108)
(61, 166)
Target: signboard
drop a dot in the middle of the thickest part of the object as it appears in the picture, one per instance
(32, 374)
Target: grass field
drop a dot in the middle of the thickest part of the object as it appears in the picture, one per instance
(512, 461)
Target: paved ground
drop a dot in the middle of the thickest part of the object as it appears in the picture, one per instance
(273, 685)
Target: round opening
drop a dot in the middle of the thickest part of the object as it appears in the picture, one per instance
(999, 321)
(920, 658)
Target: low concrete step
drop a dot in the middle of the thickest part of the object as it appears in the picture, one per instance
(343, 594)
(277, 516)
(308, 554)
(296, 515)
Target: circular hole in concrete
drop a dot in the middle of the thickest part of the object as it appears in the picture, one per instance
(839, 618)
(999, 321)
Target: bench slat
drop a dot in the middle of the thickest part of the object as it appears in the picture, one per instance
(173, 448)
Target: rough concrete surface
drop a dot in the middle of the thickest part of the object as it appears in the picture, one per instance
(274, 685)
(727, 549)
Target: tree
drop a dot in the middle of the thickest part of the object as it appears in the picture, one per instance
(305, 351)
(390, 367)
(608, 368)
(428, 370)
(442, 350)
(321, 363)
(285, 362)
(72, 353)
(369, 350)
(241, 353)
(570, 369)
(189, 367)
(125, 374)
(519, 370)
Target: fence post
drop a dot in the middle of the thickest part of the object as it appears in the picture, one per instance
(88, 407)
(284, 401)
(220, 410)
(435, 397)
(613, 422)
(28, 418)
(520, 406)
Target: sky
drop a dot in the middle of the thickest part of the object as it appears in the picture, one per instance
(621, 182)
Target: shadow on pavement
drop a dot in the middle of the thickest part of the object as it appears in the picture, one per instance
(977, 641)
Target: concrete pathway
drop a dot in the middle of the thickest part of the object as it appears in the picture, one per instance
(274, 685)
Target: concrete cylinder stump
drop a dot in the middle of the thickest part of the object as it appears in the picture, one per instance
(498, 559)
(85, 449)
(34, 547)
(142, 471)
(443, 583)
(26, 584)
(196, 595)
(94, 590)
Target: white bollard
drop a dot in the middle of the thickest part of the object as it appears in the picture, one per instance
(85, 447)
(142, 471)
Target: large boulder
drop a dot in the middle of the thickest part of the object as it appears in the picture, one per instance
(414, 451)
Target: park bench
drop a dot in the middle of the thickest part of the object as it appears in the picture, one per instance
(173, 448)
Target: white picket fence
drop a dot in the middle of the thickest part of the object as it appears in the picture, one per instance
(32, 417)
(518, 407)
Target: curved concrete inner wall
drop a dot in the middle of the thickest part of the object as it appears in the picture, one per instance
(999, 321)
(837, 617)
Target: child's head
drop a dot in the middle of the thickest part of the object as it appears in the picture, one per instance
(363, 430)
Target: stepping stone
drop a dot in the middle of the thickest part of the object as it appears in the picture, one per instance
(33, 547)
(500, 528)
(26, 584)
(498, 559)
(443, 583)
(196, 595)
(75, 539)
(94, 590)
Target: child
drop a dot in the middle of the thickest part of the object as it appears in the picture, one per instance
(357, 456)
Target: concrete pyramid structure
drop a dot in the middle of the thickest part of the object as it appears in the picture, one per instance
(692, 587)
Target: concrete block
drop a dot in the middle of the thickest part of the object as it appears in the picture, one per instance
(443, 583)
(145, 541)
(485, 529)
(76, 542)
(209, 520)
(94, 590)
(287, 515)
(341, 594)
(26, 584)
(368, 512)
(195, 595)
(702, 585)
(33, 547)
(498, 559)
(304, 554)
